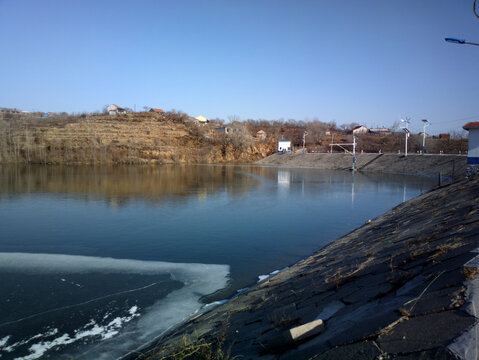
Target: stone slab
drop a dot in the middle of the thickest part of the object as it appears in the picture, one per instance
(365, 350)
(306, 330)
(425, 332)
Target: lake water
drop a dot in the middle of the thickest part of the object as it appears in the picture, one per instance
(94, 262)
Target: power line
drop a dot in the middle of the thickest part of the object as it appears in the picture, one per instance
(454, 120)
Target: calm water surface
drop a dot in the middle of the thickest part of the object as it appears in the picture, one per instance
(96, 261)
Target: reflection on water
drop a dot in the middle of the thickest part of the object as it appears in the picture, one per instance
(118, 185)
(119, 221)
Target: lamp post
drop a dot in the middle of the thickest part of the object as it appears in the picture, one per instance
(460, 41)
(406, 131)
(426, 123)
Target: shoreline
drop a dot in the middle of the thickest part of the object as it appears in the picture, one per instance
(253, 311)
(413, 164)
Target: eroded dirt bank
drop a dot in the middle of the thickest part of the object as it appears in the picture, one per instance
(399, 287)
(386, 163)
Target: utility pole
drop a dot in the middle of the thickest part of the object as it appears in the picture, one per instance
(406, 131)
(426, 123)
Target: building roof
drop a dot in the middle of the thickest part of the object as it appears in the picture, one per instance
(156, 110)
(359, 127)
(471, 125)
(201, 118)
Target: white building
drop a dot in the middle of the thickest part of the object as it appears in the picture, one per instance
(473, 141)
(358, 130)
(261, 134)
(201, 119)
(284, 145)
(115, 109)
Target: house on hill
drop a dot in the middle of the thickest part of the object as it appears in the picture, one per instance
(201, 119)
(158, 111)
(261, 134)
(115, 109)
(359, 130)
(473, 143)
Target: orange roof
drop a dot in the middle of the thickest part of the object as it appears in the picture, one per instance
(470, 125)
(157, 110)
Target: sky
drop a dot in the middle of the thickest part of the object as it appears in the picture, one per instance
(371, 62)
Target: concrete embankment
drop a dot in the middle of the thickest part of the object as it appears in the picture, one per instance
(385, 163)
(402, 286)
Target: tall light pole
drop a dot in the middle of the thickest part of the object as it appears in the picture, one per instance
(406, 131)
(460, 41)
(426, 123)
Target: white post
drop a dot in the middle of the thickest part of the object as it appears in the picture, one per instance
(407, 134)
(354, 152)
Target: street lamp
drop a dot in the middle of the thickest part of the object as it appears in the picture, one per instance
(406, 130)
(426, 123)
(460, 41)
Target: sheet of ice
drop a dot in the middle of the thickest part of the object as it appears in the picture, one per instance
(466, 345)
(215, 304)
(198, 280)
(37, 350)
(264, 277)
(4, 340)
(76, 264)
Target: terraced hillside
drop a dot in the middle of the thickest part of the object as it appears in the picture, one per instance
(135, 138)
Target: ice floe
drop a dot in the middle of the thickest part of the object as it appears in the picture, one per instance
(197, 279)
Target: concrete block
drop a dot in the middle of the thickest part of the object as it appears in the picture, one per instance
(304, 331)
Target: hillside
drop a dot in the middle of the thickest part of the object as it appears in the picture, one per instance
(134, 138)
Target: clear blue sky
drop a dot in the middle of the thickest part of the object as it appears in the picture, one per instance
(369, 61)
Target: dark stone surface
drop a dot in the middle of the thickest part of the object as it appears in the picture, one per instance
(362, 351)
(425, 332)
(436, 354)
(435, 301)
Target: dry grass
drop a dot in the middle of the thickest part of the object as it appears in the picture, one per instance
(136, 138)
